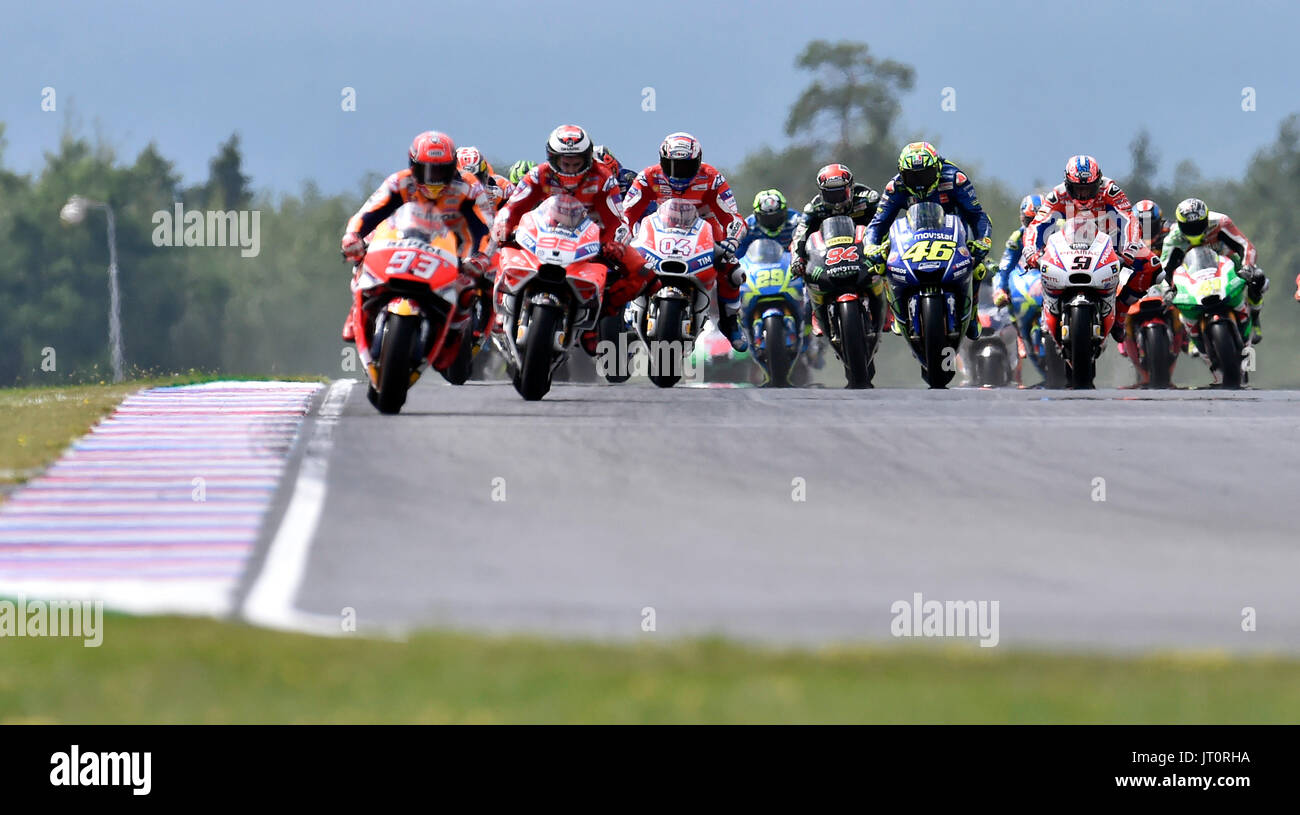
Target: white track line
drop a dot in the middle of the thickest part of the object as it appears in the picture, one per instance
(270, 602)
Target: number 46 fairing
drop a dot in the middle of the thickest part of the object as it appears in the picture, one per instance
(929, 272)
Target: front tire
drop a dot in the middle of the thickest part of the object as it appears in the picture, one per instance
(534, 379)
(1225, 348)
(853, 345)
(778, 358)
(1155, 340)
(665, 344)
(395, 362)
(1081, 364)
(934, 341)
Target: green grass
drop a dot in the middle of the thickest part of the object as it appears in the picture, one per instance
(186, 670)
(37, 423)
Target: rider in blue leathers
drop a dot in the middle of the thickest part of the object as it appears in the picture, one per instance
(924, 175)
(1014, 249)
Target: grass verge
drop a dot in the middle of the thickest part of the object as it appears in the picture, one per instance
(172, 670)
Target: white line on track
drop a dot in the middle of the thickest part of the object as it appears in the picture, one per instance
(270, 602)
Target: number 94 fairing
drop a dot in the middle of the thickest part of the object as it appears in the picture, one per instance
(929, 271)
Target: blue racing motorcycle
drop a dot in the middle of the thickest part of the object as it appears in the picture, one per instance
(929, 271)
(772, 310)
(1026, 309)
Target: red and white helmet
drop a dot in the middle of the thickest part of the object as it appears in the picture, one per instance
(433, 162)
(835, 181)
(568, 151)
(471, 161)
(1082, 178)
(679, 158)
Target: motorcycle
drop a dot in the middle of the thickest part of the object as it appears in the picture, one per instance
(548, 290)
(1080, 277)
(1156, 334)
(407, 303)
(772, 310)
(992, 360)
(1026, 296)
(845, 282)
(929, 269)
(1211, 298)
(678, 247)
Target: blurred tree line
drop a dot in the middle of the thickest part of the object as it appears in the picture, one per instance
(279, 312)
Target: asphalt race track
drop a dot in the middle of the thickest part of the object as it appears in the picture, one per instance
(622, 498)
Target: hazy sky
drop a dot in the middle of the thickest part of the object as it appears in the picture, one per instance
(1034, 82)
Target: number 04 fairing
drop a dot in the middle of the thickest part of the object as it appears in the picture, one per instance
(407, 300)
(678, 247)
(548, 290)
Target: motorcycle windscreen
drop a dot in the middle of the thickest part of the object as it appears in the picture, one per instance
(925, 216)
(563, 212)
(676, 213)
(764, 251)
(1201, 258)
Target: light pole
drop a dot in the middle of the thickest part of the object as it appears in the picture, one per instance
(74, 212)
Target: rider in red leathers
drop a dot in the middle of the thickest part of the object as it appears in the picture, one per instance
(431, 178)
(1086, 191)
(681, 174)
(571, 170)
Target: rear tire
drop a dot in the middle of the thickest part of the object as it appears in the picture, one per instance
(1053, 365)
(778, 359)
(934, 341)
(609, 330)
(534, 378)
(1225, 348)
(1155, 340)
(853, 344)
(458, 372)
(666, 344)
(395, 366)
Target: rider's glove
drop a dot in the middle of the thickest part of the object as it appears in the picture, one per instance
(727, 250)
(798, 265)
(979, 248)
(1029, 260)
(1117, 329)
(1131, 252)
(500, 231)
(354, 249)
(1256, 282)
(1000, 298)
(476, 265)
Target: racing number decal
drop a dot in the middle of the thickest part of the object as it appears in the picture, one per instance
(410, 261)
(841, 254)
(675, 246)
(1081, 263)
(552, 242)
(930, 250)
